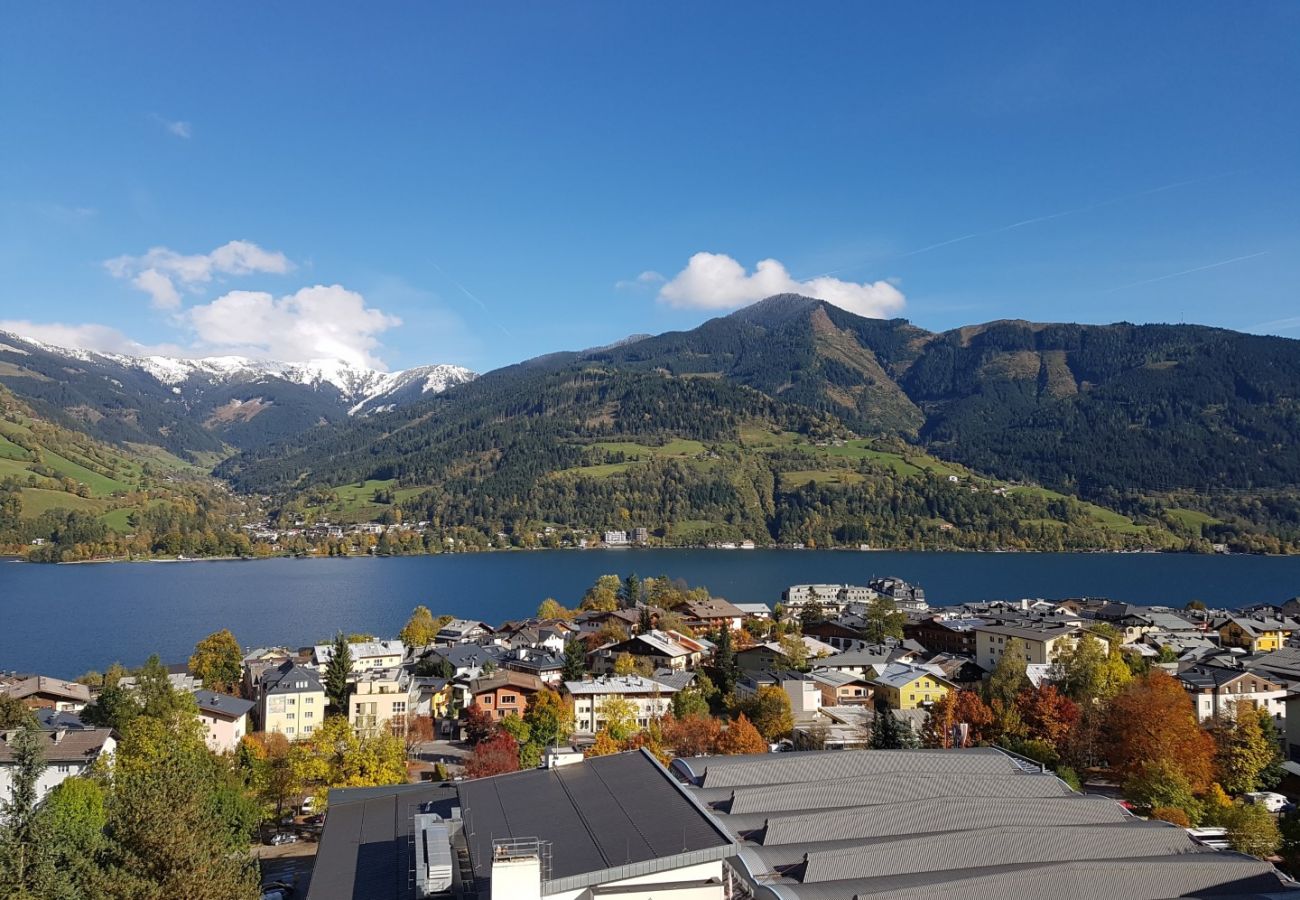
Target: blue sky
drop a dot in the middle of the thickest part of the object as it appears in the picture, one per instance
(506, 180)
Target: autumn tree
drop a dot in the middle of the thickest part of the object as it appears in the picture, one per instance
(603, 595)
(1047, 714)
(693, 734)
(771, 713)
(479, 724)
(604, 745)
(1152, 720)
(625, 664)
(1092, 669)
(741, 736)
(549, 717)
(619, 716)
(1159, 784)
(1008, 677)
(794, 650)
(1251, 829)
(495, 756)
(550, 608)
(1243, 750)
(421, 629)
(218, 662)
(13, 713)
(957, 719)
(274, 775)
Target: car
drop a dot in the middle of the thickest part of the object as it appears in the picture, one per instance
(283, 837)
(318, 819)
(308, 805)
(283, 889)
(274, 894)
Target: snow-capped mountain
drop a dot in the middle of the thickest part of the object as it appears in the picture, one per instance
(363, 388)
(208, 404)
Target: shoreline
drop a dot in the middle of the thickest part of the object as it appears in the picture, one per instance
(718, 550)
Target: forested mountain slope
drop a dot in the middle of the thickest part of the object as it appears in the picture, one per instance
(745, 426)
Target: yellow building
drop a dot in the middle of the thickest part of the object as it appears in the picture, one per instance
(380, 696)
(909, 686)
(292, 701)
(1258, 634)
(1042, 642)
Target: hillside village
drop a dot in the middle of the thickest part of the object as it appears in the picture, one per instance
(651, 668)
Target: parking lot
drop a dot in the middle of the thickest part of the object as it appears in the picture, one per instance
(290, 863)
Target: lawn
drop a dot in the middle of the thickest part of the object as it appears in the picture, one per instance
(10, 450)
(356, 501)
(99, 485)
(39, 500)
(799, 478)
(1192, 518)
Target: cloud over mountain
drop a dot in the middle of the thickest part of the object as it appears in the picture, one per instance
(161, 270)
(716, 281)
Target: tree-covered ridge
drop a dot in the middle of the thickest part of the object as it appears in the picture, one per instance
(1182, 435)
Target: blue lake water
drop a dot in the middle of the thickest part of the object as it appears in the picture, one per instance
(63, 620)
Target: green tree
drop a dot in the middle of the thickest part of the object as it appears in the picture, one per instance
(421, 629)
(690, 702)
(338, 671)
(13, 714)
(883, 620)
(1160, 785)
(795, 651)
(575, 659)
(724, 660)
(886, 732)
(218, 662)
(630, 593)
(1092, 669)
(1008, 677)
(1251, 829)
(603, 595)
(19, 843)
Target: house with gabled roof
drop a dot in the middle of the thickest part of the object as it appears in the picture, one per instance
(661, 649)
(1216, 691)
(1256, 634)
(44, 692)
(68, 752)
(224, 719)
(908, 685)
(650, 698)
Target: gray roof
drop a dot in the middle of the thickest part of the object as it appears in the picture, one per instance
(283, 678)
(603, 814)
(848, 826)
(70, 746)
(222, 704)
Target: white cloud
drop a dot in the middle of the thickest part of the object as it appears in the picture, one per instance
(645, 280)
(89, 336)
(716, 281)
(160, 270)
(175, 127)
(321, 322)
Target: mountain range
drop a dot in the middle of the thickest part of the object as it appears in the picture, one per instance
(789, 420)
(202, 408)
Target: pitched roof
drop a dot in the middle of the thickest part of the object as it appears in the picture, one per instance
(506, 678)
(285, 678)
(618, 684)
(78, 746)
(900, 674)
(222, 705)
(43, 684)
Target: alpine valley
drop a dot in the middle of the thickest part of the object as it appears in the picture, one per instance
(790, 421)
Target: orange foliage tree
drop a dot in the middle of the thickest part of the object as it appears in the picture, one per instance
(1047, 714)
(1151, 720)
(741, 737)
(693, 735)
(495, 756)
(954, 709)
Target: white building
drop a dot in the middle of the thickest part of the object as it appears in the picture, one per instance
(378, 697)
(68, 752)
(366, 655)
(224, 718)
(650, 698)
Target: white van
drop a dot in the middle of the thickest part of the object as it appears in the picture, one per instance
(1270, 800)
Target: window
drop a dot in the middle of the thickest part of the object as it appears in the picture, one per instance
(307, 729)
(399, 706)
(290, 701)
(288, 730)
(307, 715)
(309, 700)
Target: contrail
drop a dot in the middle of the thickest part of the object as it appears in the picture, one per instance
(466, 291)
(1213, 265)
(1111, 201)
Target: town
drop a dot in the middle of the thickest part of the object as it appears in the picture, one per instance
(755, 750)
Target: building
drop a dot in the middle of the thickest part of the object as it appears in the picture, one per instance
(616, 539)
(842, 688)
(755, 610)
(504, 693)
(224, 718)
(1216, 690)
(614, 827)
(909, 686)
(830, 597)
(68, 752)
(908, 597)
(1256, 634)
(650, 698)
(712, 614)
(260, 661)
(943, 634)
(292, 701)
(771, 655)
(1043, 641)
(661, 649)
(863, 660)
(380, 696)
(366, 655)
(973, 824)
(43, 692)
(463, 631)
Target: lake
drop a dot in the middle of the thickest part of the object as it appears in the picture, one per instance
(63, 620)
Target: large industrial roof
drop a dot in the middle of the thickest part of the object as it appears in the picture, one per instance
(952, 824)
